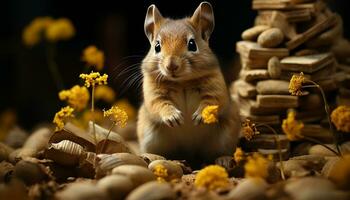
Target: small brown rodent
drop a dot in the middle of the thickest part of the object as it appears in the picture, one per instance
(181, 76)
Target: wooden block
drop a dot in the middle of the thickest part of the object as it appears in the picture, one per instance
(285, 5)
(253, 50)
(308, 63)
(266, 141)
(254, 75)
(248, 63)
(250, 107)
(244, 89)
(310, 33)
(277, 101)
(277, 19)
(272, 87)
(294, 16)
(266, 119)
(317, 132)
(319, 75)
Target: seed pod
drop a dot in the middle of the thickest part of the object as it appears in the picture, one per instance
(6, 170)
(174, 170)
(138, 175)
(5, 151)
(152, 191)
(116, 186)
(81, 191)
(114, 144)
(66, 152)
(149, 157)
(30, 171)
(108, 162)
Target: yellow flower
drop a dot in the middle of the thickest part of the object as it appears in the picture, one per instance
(238, 156)
(249, 129)
(160, 172)
(341, 118)
(296, 83)
(62, 116)
(94, 78)
(340, 172)
(291, 127)
(256, 166)
(212, 177)
(129, 109)
(105, 93)
(32, 33)
(77, 97)
(210, 114)
(60, 29)
(93, 57)
(117, 115)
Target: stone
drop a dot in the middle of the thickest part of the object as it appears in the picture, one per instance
(152, 191)
(271, 38)
(138, 175)
(116, 186)
(254, 32)
(250, 188)
(277, 101)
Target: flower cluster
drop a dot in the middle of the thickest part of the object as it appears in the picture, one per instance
(291, 127)
(249, 129)
(32, 33)
(105, 93)
(341, 118)
(127, 107)
(118, 116)
(62, 116)
(60, 29)
(256, 166)
(52, 30)
(93, 57)
(94, 78)
(296, 83)
(160, 172)
(212, 177)
(238, 156)
(77, 97)
(210, 114)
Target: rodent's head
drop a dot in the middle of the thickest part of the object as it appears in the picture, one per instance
(179, 48)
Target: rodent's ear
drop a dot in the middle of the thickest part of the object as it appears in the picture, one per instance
(203, 19)
(152, 21)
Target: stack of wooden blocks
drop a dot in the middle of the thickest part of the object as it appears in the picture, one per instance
(289, 37)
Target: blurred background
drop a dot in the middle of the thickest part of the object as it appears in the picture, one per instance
(116, 28)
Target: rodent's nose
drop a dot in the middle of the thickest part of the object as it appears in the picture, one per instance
(172, 66)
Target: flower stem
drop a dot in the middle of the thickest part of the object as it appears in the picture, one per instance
(109, 132)
(93, 112)
(278, 147)
(50, 57)
(326, 107)
(320, 143)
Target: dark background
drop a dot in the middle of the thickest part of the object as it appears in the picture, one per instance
(115, 27)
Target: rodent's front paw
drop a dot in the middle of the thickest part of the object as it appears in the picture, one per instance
(197, 117)
(173, 118)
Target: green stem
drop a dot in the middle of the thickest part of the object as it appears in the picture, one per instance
(93, 111)
(50, 57)
(326, 107)
(104, 142)
(278, 147)
(320, 143)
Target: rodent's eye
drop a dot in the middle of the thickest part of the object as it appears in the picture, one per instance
(157, 48)
(192, 45)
